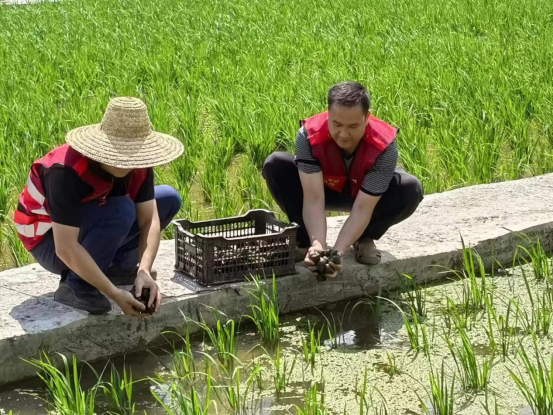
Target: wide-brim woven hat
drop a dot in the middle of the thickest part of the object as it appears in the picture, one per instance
(125, 138)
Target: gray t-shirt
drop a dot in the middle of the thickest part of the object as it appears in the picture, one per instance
(376, 180)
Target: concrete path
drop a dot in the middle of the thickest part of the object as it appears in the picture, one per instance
(487, 216)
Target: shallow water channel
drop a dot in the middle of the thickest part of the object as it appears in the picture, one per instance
(358, 331)
(367, 365)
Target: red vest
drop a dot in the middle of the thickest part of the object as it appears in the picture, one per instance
(32, 217)
(378, 136)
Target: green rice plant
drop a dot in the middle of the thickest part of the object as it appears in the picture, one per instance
(314, 402)
(474, 280)
(427, 339)
(264, 310)
(184, 365)
(65, 393)
(455, 316)
(5, 198)
(363, 403)
(413, 328)
(118, 392)
(392, 367)
(184, 399)
(540, 317)
(334, 328)
(312, 346)
(474, 377)
(536, 255)
(223, 336)
(18, 255)
(440, 394)
(236, 390)
(487, 406)
(414, 293)
(490, 332)
(282, 373)
(507, 331)
(366, 402)
(537, 386)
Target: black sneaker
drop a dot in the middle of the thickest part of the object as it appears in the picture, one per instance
(120, 276)
(92, 301)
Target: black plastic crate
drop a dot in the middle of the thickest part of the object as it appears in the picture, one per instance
(226, 250)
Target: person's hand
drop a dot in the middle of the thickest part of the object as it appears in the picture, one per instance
(326, 263)
(144, 280)
(335, 262)
(313, 254)
(127, 303)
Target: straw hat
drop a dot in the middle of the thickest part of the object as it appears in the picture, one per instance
(125, 138)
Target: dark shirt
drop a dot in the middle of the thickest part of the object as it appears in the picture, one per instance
(64, 191)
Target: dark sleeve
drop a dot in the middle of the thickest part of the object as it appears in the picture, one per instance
(64, 192)
(146, 191)
(378, 178)
(304, 156)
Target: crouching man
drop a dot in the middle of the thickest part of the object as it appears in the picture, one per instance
(346, 161)
(90, 212)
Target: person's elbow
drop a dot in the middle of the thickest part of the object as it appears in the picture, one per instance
(364, 205)
(313, 199)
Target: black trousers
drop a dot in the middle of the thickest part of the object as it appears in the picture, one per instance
(397, 204)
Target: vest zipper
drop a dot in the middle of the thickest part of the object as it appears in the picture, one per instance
(347, 187)
(103, 200)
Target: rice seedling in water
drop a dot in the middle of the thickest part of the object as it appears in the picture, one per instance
(440, 394)
(65, 393)
(312, 346)
(236, 388)
(536, 255)
(540, 317)
(474, 282)
(118, 392)
(537, 386)
(313, 402)
(416, 296)
(490, 332)
(391, 366)
(455, 316)
(334, 328)
(413, 327)
(474, 377)
(486, 405)
(223, 336)
(184, 366)
(507, 332)
(264, 310)
(366, 401)
(184, 398)
(282, 373)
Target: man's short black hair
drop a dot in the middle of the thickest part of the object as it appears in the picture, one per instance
(349, 94)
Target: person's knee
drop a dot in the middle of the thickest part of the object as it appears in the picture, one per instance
(122, 210)
(274, 163)
(168, 200)
(412, 191)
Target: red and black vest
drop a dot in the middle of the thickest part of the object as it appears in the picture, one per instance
(32, 217)
(378, 136)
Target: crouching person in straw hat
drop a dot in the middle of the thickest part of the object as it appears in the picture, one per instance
(346, 161)
(90, 211)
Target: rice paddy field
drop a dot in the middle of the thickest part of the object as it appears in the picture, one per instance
(469, 83)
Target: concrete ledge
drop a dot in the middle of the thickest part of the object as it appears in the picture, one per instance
(488, 217)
